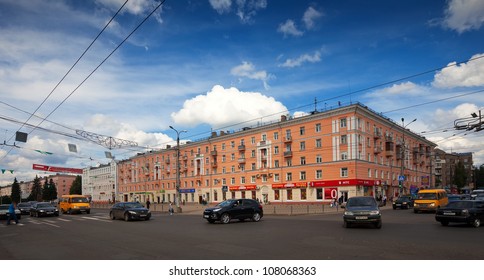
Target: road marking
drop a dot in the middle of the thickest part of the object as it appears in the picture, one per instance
(49, 224)
(97, 219)
(64, 220)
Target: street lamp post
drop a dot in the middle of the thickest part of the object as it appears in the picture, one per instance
(403, 154)
(177, 188)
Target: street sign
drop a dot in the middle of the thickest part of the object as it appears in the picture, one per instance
(401, 178)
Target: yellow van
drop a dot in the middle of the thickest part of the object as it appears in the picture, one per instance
(74, 203)
(430, 200)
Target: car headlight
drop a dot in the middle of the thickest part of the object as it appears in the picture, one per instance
(132, 212)
(404, 203)
(465, 212)
(432, 204)
(348, 213)
(375, 212)
(41, 211)
(216, 210)
(75, 206)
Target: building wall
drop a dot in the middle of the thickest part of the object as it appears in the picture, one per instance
(100, 182)
(347, 151)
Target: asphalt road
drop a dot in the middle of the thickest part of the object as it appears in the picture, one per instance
(404, 236)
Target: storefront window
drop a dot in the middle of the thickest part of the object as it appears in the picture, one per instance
(277, 195)
(215, 196)
(289, 194)
(253, 195)
(319, 194)
(233, 195)
(243, 194)
(303, 194)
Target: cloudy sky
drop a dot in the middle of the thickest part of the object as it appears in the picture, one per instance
(212, 65)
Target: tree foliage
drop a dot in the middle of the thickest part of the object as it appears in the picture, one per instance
(49, 191)
(479, 176)
(460, 176)
(15, 195)
(36, 193)
(76, 187)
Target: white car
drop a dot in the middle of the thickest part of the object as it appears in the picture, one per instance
(4, 211)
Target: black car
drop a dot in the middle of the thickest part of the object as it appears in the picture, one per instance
(24, 207)
(40, 209)
(129, 211)
(240, 209)
(362, 210)
(403, 202)
(469, 212)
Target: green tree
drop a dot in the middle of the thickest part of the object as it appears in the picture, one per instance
(76, 187)
(36, 193)
(15, 195)
(460, 176)
(479, 176)
(49, 191)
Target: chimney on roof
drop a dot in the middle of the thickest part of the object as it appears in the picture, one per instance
(283, 118)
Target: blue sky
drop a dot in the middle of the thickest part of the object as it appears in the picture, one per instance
(220, 64)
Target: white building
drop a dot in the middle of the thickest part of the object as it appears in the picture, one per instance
(100, 182)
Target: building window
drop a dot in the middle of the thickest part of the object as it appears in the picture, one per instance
(232, 181)
(344, 172)
(344, 140)
(264, 178)
(303, 161)
(223, 146)
(277, 195)
(252, 140)
(276, 177)
(302, 175)
(319, 159)
(303, 194)
(342, 122)
(302, 146)
(318, 143)
(223, 158)
(318, 127)
(289, 176)
(344, 155)
(276, 135)
(252, 153)
(288, 162)
(276, 150)
(233, 169)
(224, 171)
(319, 194)
(232, 144)
(276, 163)
(289, 194)
(369, 173)
(302, 130)
(253, 166)
(242, 180)
(319, 174)
(264, 137)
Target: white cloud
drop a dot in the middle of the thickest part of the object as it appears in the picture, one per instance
(310, 16)
(221, 6)
(464, 15)
(468, 74)
(228, 106)
(247, 69)
(405, 88)
(289, 63)
(246, 9)
(289, 28)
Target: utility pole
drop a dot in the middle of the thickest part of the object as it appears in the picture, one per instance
(177, 187)
(402, 178)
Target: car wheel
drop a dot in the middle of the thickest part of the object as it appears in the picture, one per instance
(476, 223)
(211, 221)
(444, 223)
(256, 217)
(147, 218)
(225, 219)
(88, 212)
(378, 225)
(346, 224)
(126, 217)
(111, 216)
(394, 207)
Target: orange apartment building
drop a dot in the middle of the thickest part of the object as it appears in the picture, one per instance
(347, 151)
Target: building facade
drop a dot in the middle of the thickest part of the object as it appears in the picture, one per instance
(343, 152)
(99, 183)
(63, 183)
(445, 166)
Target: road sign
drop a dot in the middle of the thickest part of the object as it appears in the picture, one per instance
(401, 178)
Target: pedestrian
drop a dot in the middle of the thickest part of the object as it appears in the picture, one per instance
(170, 209)
(148, 204)
(11, 213)
(384, 200)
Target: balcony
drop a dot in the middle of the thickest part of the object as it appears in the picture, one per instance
(377, 134)
(241, 148)
(241, 160)
(213, 153)
(214, 164)
(389, 153)
(287, 139)
(288, 154)
(377, 150)
(389, 139)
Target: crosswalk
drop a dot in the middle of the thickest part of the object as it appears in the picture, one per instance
(59, 221)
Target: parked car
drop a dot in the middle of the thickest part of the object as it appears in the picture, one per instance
(129, 211)
(477, 194)
(362, 210)
(40, 209)
(403, 202)
(24, 207)
(4, 212)
(240, 209)
(470, 212)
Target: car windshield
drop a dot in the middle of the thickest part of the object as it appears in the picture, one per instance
(24, 204)
(460, 204)
(133, 205)
(79, 200)
(427, 196)
(225, 203)
(43, 205)
(3, 207)
(361, 201)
